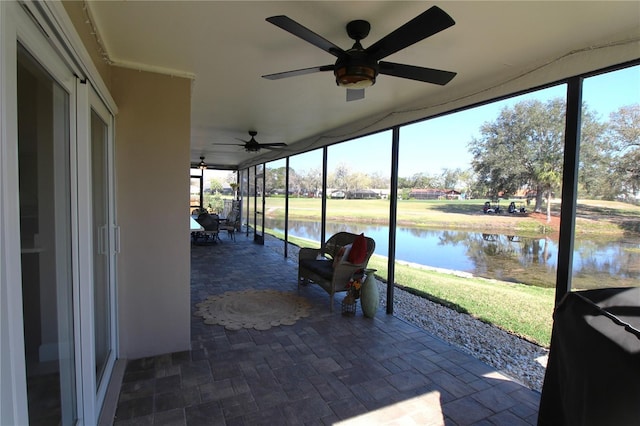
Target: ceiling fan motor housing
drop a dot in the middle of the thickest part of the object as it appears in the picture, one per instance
(357, 68)
(354, 69)
(252, 144)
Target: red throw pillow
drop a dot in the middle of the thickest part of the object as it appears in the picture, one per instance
(358, 252)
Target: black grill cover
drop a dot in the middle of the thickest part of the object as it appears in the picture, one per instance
(593, 374)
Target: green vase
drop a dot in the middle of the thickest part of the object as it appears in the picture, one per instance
(369, 294)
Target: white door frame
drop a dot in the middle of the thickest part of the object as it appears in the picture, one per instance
(95, 394)
(53, 53)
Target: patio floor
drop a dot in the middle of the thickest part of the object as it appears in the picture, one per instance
(325, 369)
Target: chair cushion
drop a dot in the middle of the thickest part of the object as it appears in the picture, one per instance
(358, 252)
(323, 268)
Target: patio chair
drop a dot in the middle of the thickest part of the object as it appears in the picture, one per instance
(231, 224)
(332, 274)
(211, 225)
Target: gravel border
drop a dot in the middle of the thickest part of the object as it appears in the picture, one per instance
(513, 356)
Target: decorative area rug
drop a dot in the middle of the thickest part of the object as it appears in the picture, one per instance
(258, 309)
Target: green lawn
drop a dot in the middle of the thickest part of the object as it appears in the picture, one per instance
(520, 309)
(523, 310)
(601, 217)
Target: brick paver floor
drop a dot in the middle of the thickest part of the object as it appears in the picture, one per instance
(325, 369)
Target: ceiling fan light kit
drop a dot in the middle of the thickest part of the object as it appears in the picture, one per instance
(202, 165)
(356, 76)
(357, 68)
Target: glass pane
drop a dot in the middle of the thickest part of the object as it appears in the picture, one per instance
(358, 187)
(259, 204)
(305, 204)
(101, 251)
(195, 196)
(479, 200)
(225, 189)
(45, 233)
(275, 196)
(244, 191)
(607, 241)
(251, 200)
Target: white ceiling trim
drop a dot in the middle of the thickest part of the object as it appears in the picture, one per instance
(108, 58)
(153, 69)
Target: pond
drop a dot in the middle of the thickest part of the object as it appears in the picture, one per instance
(596, 263)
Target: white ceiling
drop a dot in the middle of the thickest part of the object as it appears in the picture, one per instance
(495, 47)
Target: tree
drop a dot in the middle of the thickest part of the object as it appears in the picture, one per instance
(422, 180)
(295, 181)
(449, 178)
(311, 180)
(215, 185)
(624, 130)
(523, 147)
(379, 181)
(466, 183)
(275, 179)
(359, 180)
(214, 202)
(339, 178)
(596, 178)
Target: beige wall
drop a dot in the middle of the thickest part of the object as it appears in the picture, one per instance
(152, 136)
(152, 173)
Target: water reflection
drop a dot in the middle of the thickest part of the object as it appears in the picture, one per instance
(504, 257)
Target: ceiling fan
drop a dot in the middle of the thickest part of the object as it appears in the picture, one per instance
(253, 146)
(357, 68)
(201, 165)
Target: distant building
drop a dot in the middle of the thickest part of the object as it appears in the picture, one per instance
(452, 194)
(362, 194)
(427, 194)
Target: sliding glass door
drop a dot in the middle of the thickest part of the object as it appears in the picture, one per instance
(258, 207)
(103, 232)
(58, 167)
(44, 146)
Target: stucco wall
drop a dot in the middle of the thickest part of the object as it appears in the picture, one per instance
(152, 135)
(152, 182)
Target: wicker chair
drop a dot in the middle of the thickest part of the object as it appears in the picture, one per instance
(231, 224)
(211, 227)
(331, 276)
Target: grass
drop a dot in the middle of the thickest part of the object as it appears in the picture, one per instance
(519, 309)
(523, 310)
(593, 217)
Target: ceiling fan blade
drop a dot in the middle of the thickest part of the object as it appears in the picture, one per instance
(428, 75)
(294, 73)
(355, 94)
(422, 26)
(306, 34)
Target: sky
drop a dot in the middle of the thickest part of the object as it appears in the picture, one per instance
(432, 145)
